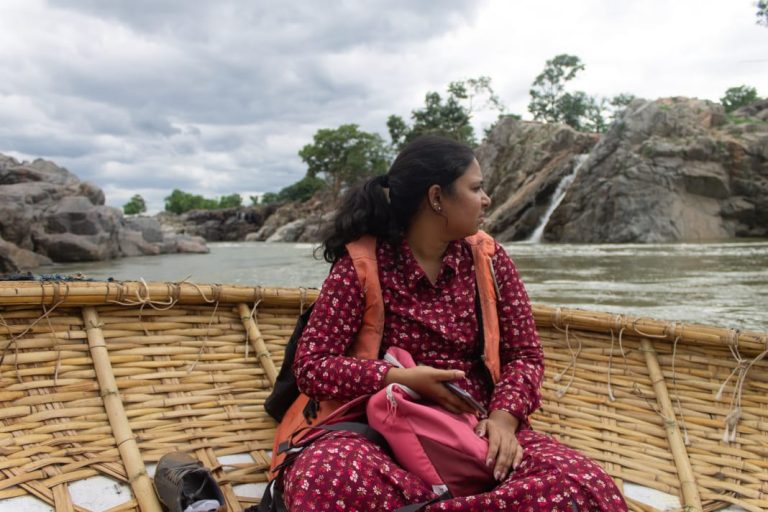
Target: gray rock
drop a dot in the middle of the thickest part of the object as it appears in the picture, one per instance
(224, 225)
(65, 247)
(149, 227)
(133, 243)
(188, 244)
(670, 170)
(288, 232)
(522, 163)
(15, 259)
(757, 110)
(46, 210)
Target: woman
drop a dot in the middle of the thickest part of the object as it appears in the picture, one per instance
(420, 212)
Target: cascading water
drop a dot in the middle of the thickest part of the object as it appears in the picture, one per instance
(557, 198)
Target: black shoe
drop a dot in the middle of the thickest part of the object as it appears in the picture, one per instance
(181, 480)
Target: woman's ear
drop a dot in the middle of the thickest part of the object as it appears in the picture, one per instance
(434, 198)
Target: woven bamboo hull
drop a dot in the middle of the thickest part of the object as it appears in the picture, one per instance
(104, 378)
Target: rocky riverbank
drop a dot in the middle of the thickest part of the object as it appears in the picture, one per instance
(669, 170)
(47, 214)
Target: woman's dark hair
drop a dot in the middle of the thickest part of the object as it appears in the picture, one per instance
(366, 210)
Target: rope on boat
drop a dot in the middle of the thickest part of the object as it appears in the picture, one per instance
(13, 339)
(191, 367)
(741, 370)
(574, 356)
(618, 325)
(251, 316)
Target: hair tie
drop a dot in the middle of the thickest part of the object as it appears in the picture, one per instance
(382, 180)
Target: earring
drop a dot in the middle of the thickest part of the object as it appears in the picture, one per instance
(437, 207)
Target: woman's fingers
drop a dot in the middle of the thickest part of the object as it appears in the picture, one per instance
(482, 428)
(518, 456)
(504, 452)
(429, 382)
(504, 459)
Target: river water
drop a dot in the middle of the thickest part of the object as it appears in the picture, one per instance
(723, 284)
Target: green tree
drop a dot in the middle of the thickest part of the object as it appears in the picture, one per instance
(762, 12)
(230, 201)
(549, 100)
(345, 155)
(269, 198)
(737, 97)
(619, 104)
(135, 205)
(552, 103)
(449, 116)
(594, 116)
(302, 190)
(179, 202)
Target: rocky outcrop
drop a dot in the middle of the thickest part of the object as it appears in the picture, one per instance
(522, 163)
(297, 222)
(674, 169)
(47, 214)
(224, 225)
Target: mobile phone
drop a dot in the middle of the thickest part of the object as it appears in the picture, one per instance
(467, 397)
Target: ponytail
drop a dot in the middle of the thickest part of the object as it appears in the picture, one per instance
(365, 210)
(384, 206)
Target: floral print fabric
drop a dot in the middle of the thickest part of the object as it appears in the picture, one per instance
(438, 325)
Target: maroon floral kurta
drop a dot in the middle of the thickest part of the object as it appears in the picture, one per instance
(438, 325)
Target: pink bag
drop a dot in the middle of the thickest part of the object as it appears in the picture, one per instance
(437, 445)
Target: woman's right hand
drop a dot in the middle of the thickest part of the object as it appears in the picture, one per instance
(429, 383)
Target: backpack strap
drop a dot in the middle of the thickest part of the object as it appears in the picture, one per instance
(304, 411)
(483, 248)
(368, 340)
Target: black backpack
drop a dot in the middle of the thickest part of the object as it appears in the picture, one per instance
(285, 391)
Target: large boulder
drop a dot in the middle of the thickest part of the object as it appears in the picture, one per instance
(299, 222)
(523, 162)
(15, 259)
(221, 225)
(47, 214)
(674, 169)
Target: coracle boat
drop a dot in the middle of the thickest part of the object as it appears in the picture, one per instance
(98, 380)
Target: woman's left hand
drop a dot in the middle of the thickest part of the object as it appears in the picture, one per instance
(503, 448)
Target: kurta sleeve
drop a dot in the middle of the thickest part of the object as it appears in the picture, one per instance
(522, 359)
(322, 369)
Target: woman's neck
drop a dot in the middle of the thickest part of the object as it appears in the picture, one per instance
(427, 248)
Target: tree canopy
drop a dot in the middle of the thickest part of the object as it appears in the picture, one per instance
(300, 191)
(135, 206)
(552, 103)
(762, 12)
(179, 202)
(737, 97)
(345, 155)
(448, 115)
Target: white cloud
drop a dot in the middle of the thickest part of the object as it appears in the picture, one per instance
(218, 97)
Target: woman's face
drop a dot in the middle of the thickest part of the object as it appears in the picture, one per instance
(465, 206)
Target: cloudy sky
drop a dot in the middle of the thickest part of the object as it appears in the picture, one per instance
(216, 97)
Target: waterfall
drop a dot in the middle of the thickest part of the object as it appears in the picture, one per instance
(557, 198)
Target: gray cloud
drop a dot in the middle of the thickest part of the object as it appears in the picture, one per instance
(216, 97)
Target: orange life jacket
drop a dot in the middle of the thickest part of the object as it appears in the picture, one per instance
(368, 340)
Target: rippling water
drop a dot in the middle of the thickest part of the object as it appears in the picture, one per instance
(723, 283)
